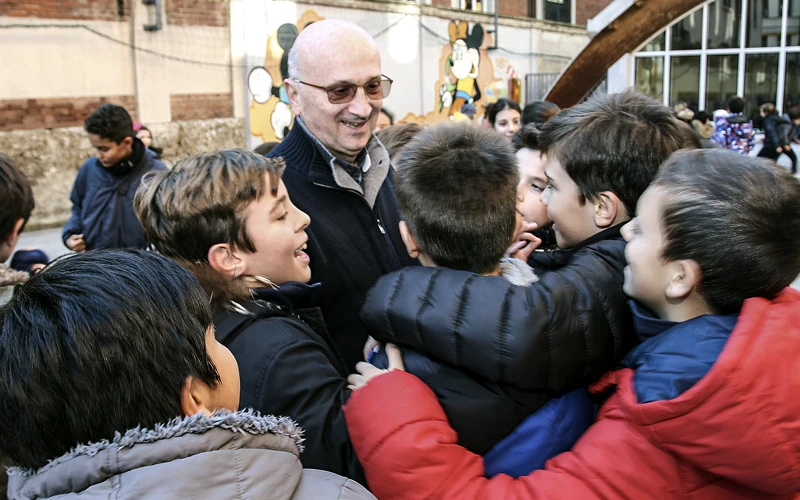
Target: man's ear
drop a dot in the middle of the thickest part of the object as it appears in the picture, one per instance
(685, 276)
(411, 243)
(225, 260)
(194, 395)
(609, 210)
(293, 93)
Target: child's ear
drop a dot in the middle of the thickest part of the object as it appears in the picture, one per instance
(128, 142)
(8, 244)
(411, 243)
(684, 279)
(609, 210)
(225, 260)
(194, 395)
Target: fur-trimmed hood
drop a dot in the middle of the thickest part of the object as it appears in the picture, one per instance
(224, 455)
(517, 272)
(9, 278)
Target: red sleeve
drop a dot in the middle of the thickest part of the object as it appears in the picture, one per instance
(408, 450)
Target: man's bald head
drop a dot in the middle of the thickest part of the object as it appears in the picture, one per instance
(323, 39)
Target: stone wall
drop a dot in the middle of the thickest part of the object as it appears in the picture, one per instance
(51, 157)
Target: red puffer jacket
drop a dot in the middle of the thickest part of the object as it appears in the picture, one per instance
(734, 435)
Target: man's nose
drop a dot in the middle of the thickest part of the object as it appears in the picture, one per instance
(360, 105)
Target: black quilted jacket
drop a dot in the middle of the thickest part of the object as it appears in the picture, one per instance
(559, 334)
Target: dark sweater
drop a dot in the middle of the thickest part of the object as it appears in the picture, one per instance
(102, 201)
(351, 244)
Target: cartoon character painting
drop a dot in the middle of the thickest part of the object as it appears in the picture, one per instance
(271, 116)
(462, 67)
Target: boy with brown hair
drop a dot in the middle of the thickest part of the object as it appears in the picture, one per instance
(16, 205)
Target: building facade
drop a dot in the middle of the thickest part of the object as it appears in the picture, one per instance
(723, 48)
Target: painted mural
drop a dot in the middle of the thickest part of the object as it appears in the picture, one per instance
(271, 116)
(467, 79)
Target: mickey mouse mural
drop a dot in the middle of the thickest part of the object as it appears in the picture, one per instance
(462, 67)
(271, 116)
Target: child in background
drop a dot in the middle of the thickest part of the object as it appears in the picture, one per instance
(102, 196)
(702, 408)
(734, 130)
(146, 136)
(125, 393)
(504, 117)
(532, 183)
(16, 205)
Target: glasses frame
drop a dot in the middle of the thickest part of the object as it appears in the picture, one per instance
(383, 78)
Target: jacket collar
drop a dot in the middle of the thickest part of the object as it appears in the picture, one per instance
(300, 148)
(292, 295)
(138, 152)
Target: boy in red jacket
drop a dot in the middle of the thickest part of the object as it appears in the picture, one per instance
(704, 407)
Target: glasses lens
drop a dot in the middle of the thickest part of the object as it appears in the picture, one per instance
(386, 87)
(341, 94)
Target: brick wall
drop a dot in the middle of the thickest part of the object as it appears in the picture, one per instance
(99, 10)
(514, 8)
(441, 3)
(587, 9)
(197, 12)
(200, 106)
(16, 114)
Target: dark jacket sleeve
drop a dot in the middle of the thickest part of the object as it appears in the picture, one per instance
(299, 380)
(771, 138)
(73, 225)
(559, 334)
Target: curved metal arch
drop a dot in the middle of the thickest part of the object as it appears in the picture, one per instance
(627, 32)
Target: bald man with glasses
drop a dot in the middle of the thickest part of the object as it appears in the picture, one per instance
(339, 173)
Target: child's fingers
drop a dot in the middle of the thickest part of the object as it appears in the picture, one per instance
(395, 357)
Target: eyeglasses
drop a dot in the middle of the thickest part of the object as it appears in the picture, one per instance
(341, 93)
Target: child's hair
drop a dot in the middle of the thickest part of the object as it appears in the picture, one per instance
(456, 186)
(613, 142)
(738, 217)
(16, 196)
(538, 112)
(200, 203)
(769, 109)
(394, 138)
(95, 344)
(492, 110)
(389, 115)
(736, 104)
(24, 260)
(265, 148)
(526, 138)
(702, 117)
(794, 113)
(111, 122)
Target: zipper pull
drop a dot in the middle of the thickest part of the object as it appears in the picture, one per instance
(380, 226)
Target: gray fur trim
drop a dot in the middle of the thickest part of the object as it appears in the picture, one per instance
(517, 272)
(246, 421)
(11, 277)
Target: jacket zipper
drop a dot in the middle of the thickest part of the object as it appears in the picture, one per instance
(389, 246)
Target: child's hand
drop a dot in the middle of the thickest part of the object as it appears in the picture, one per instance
(370, 346)
(76, 243)
(524, 243)
(367, 372)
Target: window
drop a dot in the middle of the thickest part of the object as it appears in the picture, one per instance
(685, 85)
(723, 73)
(761, 82)
(558, 10)
(724, 24)
(764, 19)
(650, 76)
(688, 33)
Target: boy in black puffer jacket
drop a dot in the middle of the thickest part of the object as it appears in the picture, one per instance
(563, 332)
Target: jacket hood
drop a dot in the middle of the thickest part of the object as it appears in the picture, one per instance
(189, 457)
(11, 277)
(742, 420)
(737, 119)
(517, 272)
